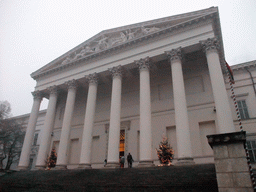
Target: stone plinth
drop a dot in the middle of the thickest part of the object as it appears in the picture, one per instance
(232, 170)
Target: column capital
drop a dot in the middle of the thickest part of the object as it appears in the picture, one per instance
(174, 54)
(38, 95)
(116, 71)
(53, 89)
(92, 78)
(211, 44)
(143, 64)
(72, 84)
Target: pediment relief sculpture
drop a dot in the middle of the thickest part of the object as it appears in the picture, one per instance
(119, 40)
(67, 60)
(102, 44)
(85, 51)
(131, 34)
(148, 30)
(126, 35)
(105, 42)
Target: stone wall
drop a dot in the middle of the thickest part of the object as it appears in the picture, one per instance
(231, 166)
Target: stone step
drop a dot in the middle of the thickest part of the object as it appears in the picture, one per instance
(175, 178)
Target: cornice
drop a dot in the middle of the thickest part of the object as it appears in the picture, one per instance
(129, 44)
(249, 64)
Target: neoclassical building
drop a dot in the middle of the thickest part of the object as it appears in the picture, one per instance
(120, 91)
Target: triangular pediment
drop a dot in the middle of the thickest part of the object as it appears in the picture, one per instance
(111, 38)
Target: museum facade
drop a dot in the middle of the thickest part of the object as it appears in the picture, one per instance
(122, 90)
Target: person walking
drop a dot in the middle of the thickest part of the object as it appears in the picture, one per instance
(122, 161)
(130, 160)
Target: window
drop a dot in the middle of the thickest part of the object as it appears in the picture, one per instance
(122, 143)
(243, 109)
(251, 145)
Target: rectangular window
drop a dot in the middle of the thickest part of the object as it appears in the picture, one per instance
(122, 143)
(251, 145)
(243, 109)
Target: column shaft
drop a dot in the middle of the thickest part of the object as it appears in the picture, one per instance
(85, 158)
(145, 114)
(180, 107)
(115, 113)
(223, 110)
(46, 131)
(62, 159)
(26, 148)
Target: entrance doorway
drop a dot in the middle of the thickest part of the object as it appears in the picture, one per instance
(122, 143)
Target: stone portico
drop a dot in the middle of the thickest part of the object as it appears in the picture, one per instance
(161, 76)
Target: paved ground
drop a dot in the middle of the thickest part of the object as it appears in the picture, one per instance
(175, 178)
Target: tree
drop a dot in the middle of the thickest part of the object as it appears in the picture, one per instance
(51, 161)
(11, 137)
(5, 109)
(165, 153)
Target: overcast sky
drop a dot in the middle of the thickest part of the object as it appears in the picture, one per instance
(35, 32)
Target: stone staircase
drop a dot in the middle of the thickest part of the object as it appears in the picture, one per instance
(194, 178)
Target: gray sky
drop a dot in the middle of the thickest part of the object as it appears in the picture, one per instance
(35, 32)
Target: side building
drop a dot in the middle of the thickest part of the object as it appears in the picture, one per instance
(123, 89)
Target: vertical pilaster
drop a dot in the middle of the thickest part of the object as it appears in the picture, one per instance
(145, 114)
(180, 106)
(65, 132)
(223, 110)
(26, 148)
(115, 114)
(46, 131)
(85, 158)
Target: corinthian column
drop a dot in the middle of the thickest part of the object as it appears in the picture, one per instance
(85, 158)
(180, 106)
(223, 111)
(145, 114)
(46, 131)
(115, 113)
(26, 148)
(66, 126)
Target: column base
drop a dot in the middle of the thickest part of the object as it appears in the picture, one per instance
(112, 165)
(40, 167)
(185, 161)
(84, 166)
(60, 167)
(22, 168)
(146, 164)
